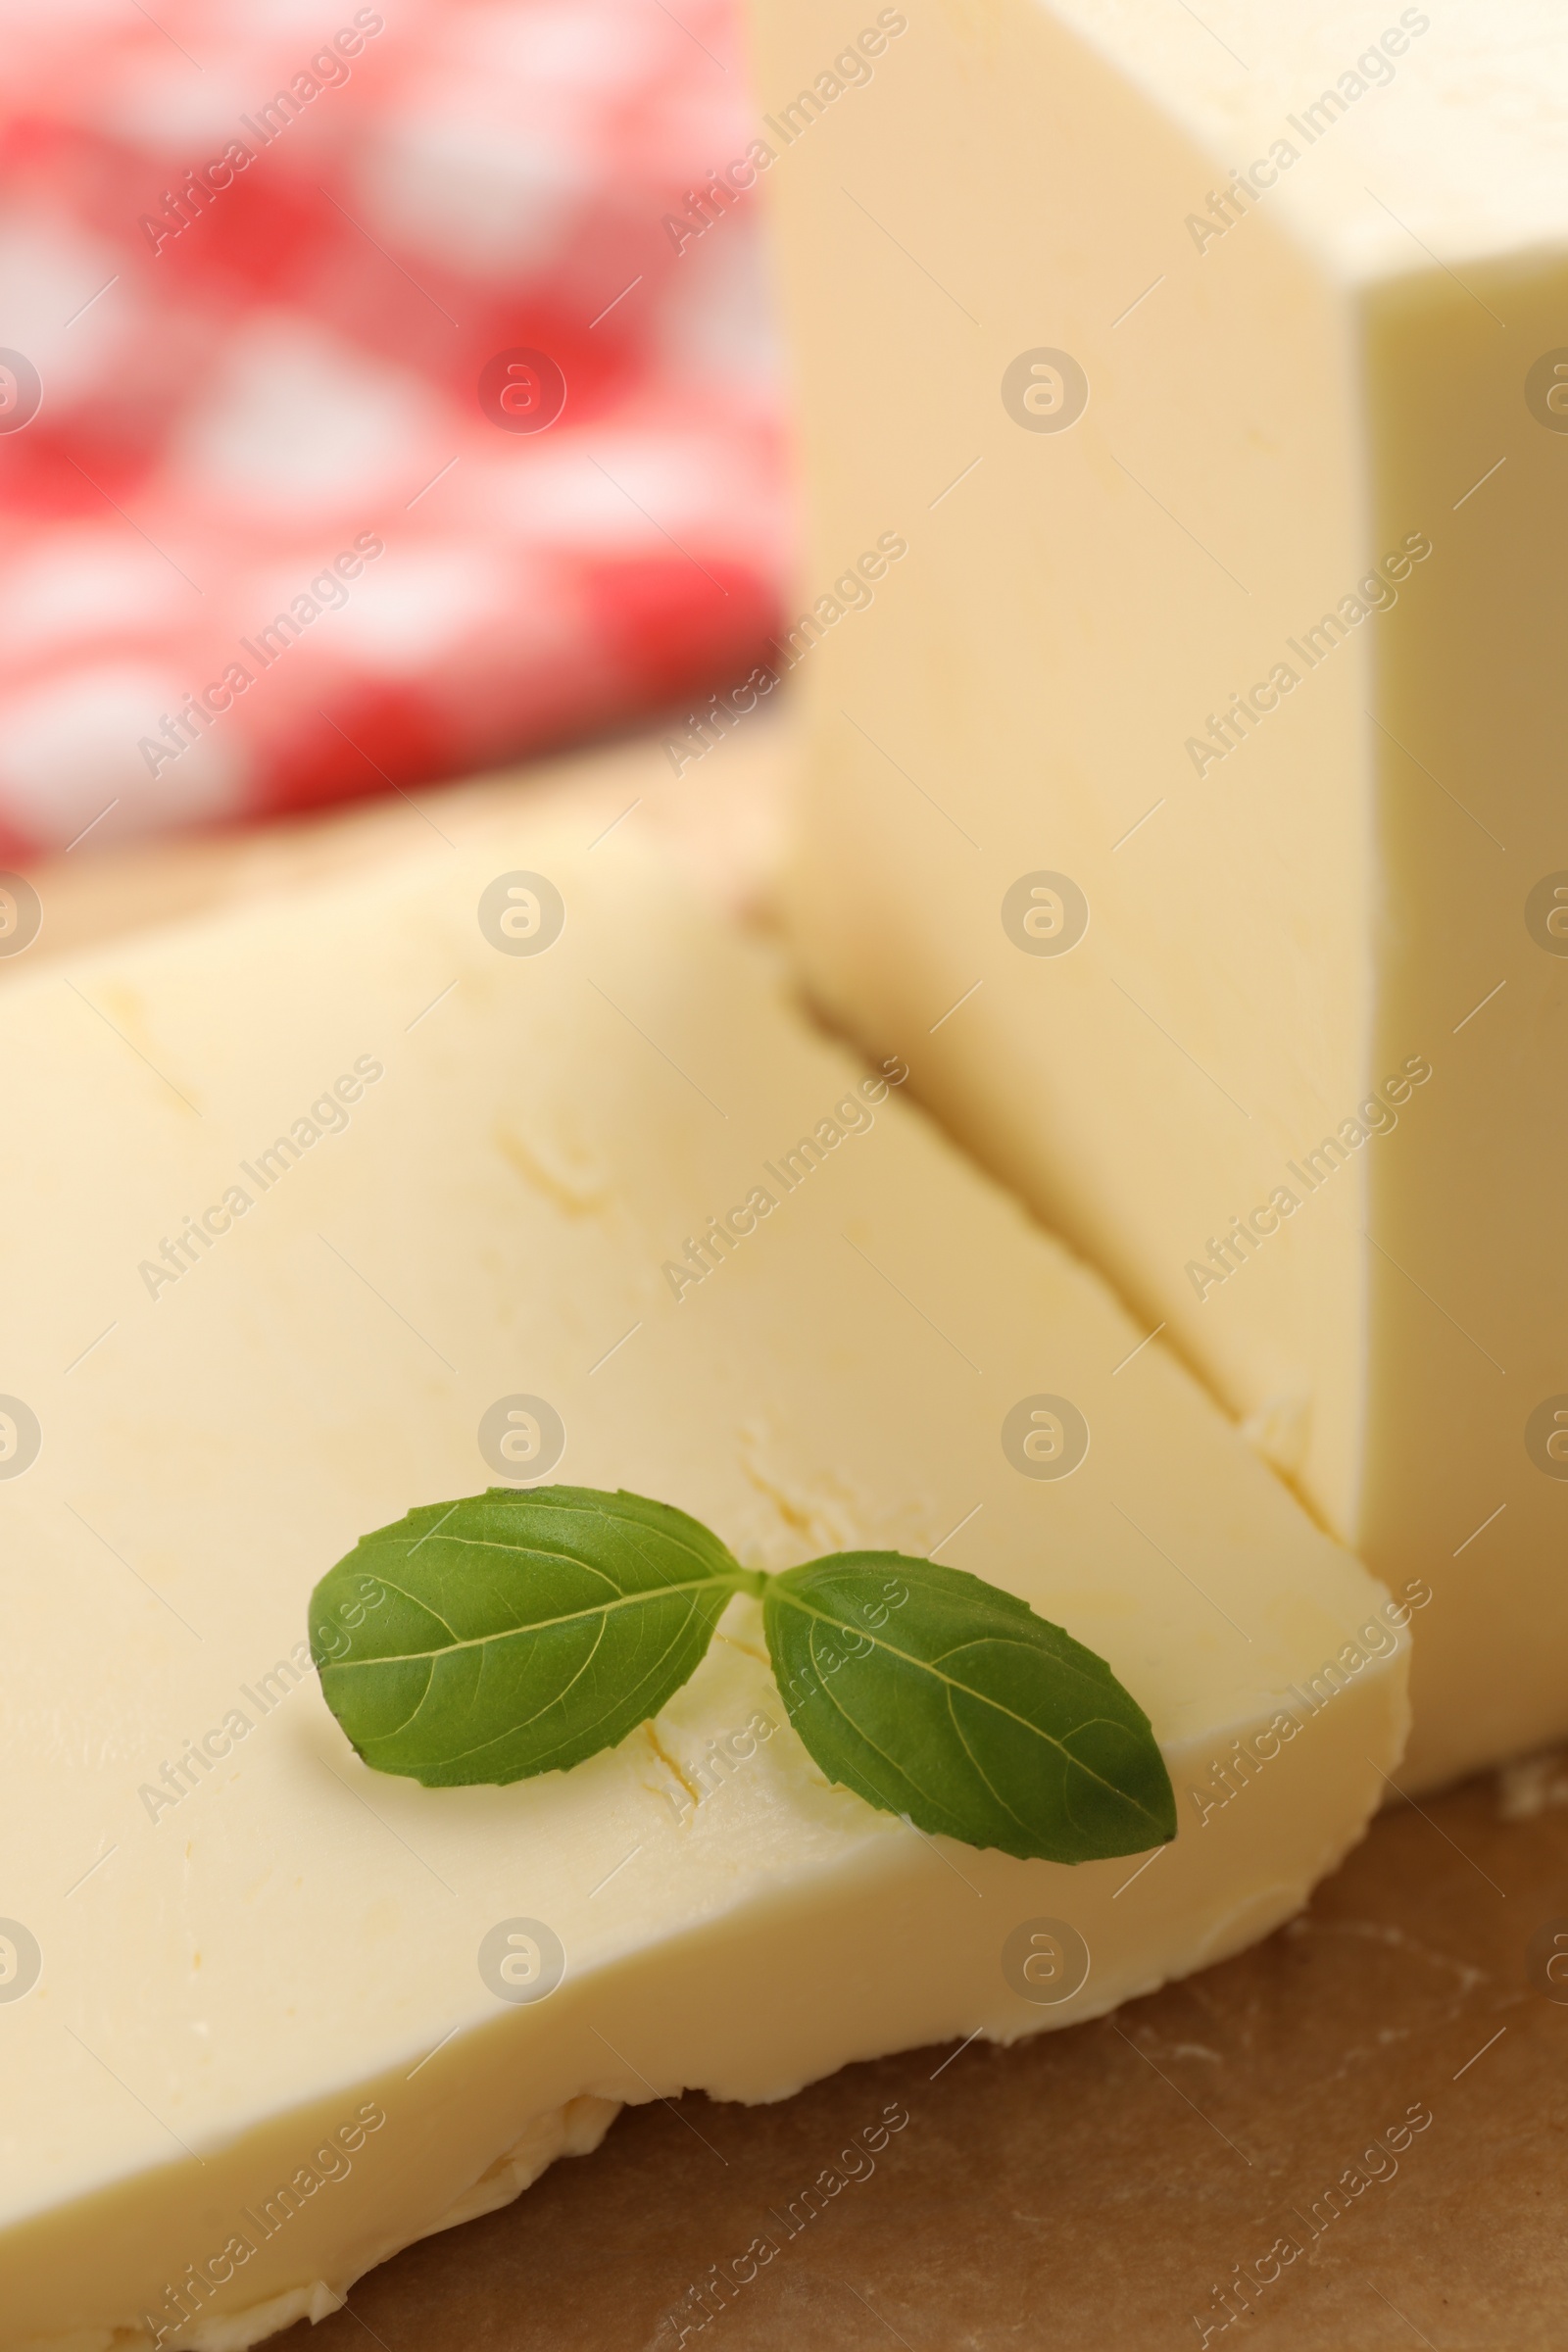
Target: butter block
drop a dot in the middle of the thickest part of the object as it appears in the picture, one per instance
(418, 1182)
(1184, 801)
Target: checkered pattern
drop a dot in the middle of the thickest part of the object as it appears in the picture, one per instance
(262, 547)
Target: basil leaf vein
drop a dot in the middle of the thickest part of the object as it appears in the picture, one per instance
(979, 1721)
(516, 1632)
(520, 1632)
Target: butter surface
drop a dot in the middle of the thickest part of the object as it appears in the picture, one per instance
(1211, 364)
(266, 2047)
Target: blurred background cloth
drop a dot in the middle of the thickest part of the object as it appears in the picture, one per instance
(256, 260)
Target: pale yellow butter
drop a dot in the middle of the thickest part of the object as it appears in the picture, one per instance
(273, 2037)
(1210, 366)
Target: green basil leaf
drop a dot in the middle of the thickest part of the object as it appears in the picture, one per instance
(934, 1695)
(516, 1632)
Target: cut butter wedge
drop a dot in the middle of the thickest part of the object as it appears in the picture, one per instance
(1209, 367)
(428, 1151)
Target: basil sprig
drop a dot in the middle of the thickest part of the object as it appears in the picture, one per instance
(516, 1633)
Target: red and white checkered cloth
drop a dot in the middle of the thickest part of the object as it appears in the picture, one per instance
(262, 545)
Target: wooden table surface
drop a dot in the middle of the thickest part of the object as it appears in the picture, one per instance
(1090, 2189)
(1094, 2188)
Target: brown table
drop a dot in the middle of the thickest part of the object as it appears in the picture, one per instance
(1091, 2188)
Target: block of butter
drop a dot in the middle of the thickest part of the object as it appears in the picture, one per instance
(1184, 797)
(495, 1170)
